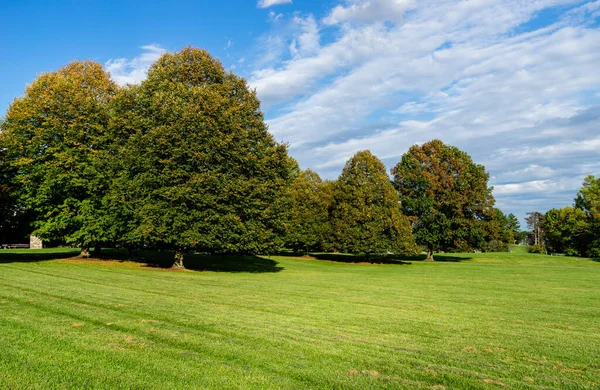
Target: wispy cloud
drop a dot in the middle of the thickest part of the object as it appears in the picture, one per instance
(513, 90)
(270, 3)
(132, 71)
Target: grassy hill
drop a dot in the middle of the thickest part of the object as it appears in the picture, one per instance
(473, 321)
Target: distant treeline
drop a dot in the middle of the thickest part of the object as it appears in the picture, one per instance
(184, 162)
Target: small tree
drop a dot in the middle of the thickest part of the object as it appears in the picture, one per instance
(447, 195)
(513, 224)
(53, 138)
(308, 226)
(366, 214)
(200, 170)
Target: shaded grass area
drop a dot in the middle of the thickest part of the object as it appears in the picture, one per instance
(153, 259)
(484, 321)
(36, 255)
(377, 259)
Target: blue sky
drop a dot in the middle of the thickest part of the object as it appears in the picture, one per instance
(516, 84)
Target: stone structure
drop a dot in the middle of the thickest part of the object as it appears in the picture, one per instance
(35, 243)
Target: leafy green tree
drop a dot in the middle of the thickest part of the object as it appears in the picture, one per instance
(566, 230)
(504, 232)
(308, 225)
(200, 171)
(54, 137)
(588, 200)
(513, 224)
(447, 195)
(366, 215)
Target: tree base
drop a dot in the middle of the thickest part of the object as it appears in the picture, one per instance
(429, 255)
(178, 264)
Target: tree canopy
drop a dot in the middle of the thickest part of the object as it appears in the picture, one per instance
(200, 170)
(447, 196)
(366, 215)
(588, 200)
(566, 230)
(53, 137)
(308, 225)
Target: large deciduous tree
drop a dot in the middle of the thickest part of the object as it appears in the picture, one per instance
(366, 214)
(308, 226)
(588, 200)
(54, 137)
(200, 170)
(566, 230)
(447, 195)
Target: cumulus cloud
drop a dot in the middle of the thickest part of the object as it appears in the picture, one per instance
(132, 71)
(519, 93)
(270, 3)
(369, 11)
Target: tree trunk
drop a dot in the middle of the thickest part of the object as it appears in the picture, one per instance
(178, 260)
(97, 250)
(85, 252)
(429, 255)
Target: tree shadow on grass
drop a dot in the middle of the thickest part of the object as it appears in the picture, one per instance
(442, 258)
(196, 262)
(378, 259)
(34, 256)
(359, 259)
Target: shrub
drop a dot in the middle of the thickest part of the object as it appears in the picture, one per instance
(537, 249)
(495, 246)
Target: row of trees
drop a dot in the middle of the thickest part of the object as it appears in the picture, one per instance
(437, 192)
(184, 162)
(572, 230)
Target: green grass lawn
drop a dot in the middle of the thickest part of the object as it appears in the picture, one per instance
(473, 321)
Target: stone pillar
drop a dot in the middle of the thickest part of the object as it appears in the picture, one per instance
(35, 243)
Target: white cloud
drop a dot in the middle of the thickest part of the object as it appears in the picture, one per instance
(269, 3)
(307, 42)
(274, 17)
(369, 11)
(521, 99)
(132, 71)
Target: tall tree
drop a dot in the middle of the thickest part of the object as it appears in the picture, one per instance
(566, 230)
(588, 200)
(513, 224)
(535, 223)
(447, 195)
(200, 170)
(502, 231)
(366, 215)
(308, 225)
(53, 137)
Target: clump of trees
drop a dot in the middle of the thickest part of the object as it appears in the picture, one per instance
(184, 162)
(573, 230)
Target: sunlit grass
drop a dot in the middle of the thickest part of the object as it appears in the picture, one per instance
(487, 320)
